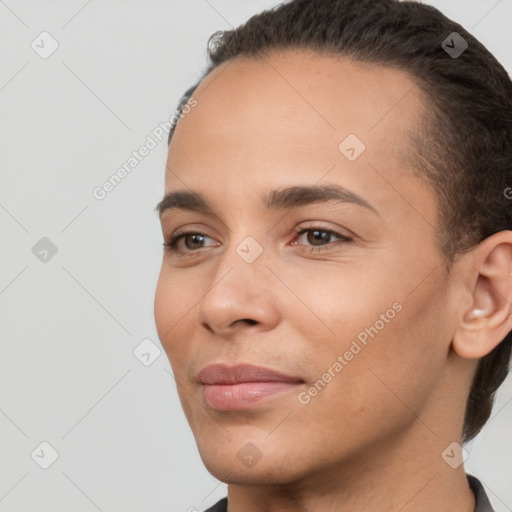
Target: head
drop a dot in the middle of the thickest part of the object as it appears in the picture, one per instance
(410, 287)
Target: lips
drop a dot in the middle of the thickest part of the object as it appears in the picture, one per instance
(223, 374)
(237, 387)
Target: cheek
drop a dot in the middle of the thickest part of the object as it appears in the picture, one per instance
(344, 301)
(390, 340)
(380, 383)
(171, 305)
(163, 305)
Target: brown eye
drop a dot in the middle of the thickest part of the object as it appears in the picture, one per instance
(192, 241)
(320, 238)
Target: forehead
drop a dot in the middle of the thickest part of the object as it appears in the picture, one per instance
(264, 123)
(329, 94)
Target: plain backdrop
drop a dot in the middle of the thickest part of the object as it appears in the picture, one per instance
(78, 274)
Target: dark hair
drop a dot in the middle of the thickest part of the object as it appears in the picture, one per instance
(464, 146)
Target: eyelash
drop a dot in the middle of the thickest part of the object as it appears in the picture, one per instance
(172, 243)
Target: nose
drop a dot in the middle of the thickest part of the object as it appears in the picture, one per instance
(239, 296)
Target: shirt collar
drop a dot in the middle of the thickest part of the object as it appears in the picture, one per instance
(482, 500)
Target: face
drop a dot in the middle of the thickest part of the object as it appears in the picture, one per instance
(346, 297)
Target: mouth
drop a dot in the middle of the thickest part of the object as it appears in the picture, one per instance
(242, 386)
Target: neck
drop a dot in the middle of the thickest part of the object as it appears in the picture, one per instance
(406, 474)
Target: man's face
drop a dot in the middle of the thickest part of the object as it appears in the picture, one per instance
(378, 304)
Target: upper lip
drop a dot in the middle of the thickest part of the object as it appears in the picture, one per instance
(224, 374)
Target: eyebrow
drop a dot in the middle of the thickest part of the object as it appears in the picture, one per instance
(286, 198)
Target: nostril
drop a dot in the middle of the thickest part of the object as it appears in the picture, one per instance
(250, 321)
(207, 327)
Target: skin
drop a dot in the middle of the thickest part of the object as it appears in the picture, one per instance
(372, 439)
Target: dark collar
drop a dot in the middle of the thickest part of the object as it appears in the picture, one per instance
(482, 501)
(220, 506)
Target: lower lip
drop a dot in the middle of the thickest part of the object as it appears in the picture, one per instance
(244, 394)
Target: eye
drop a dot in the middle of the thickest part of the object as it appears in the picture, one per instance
(195, 238)
(320, 238)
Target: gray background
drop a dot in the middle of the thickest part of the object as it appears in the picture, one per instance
(69, 325)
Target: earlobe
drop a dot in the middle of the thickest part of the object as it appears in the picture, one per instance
(485, 323)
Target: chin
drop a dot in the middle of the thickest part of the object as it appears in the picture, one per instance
(232, 471)
(248, 465)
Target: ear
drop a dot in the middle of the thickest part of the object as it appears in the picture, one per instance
(483, 326)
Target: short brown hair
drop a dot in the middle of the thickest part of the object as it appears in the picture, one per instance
(464, 150)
